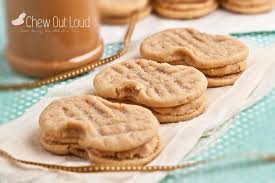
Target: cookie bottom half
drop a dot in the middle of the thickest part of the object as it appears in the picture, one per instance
(138, 156)
(223, 80)
(225, 70)
(182, 115)
(221, 76)
(135, 159)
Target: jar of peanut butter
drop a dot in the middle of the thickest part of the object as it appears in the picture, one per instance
(47, 37)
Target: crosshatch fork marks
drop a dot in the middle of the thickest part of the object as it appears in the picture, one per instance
(150, 83)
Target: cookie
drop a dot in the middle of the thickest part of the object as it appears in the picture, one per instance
(120, 11)
(182, 112)
(83, 124)
(185, 10)
(223, 80)
(225, 70)
(172, 118)
(123, 20)
(150, 83)
(193, 5)
(219, 57)
(248, 7)
(200, 50)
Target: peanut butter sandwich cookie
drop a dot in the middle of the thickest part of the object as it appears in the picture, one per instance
(158, 86)
(100, 130)
(248, 6)
(184, 9)
(220, 58)
(120, 11)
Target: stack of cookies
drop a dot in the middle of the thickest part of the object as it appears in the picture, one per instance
(221, 58)
(184, 9)
(248, 6)
(101, 131)
(120, 11)
(173, 93)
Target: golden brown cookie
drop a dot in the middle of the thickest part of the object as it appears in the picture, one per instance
(218, 57)
(185, 10)
(123, 20)
(200, 50)
(120, 11)
(150, 83)
(88, 123)
(223, 80)
(248, 6)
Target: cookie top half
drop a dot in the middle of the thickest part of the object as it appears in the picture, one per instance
(200, 50)
(150, 83)
(98, 123)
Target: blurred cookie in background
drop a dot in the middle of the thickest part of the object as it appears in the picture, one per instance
(120, 11)
(184, 9)
(248, 6)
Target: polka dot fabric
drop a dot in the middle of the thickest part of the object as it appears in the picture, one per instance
(263, 39)
(252, 130)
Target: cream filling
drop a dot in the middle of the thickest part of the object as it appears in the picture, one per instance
(141, 152)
